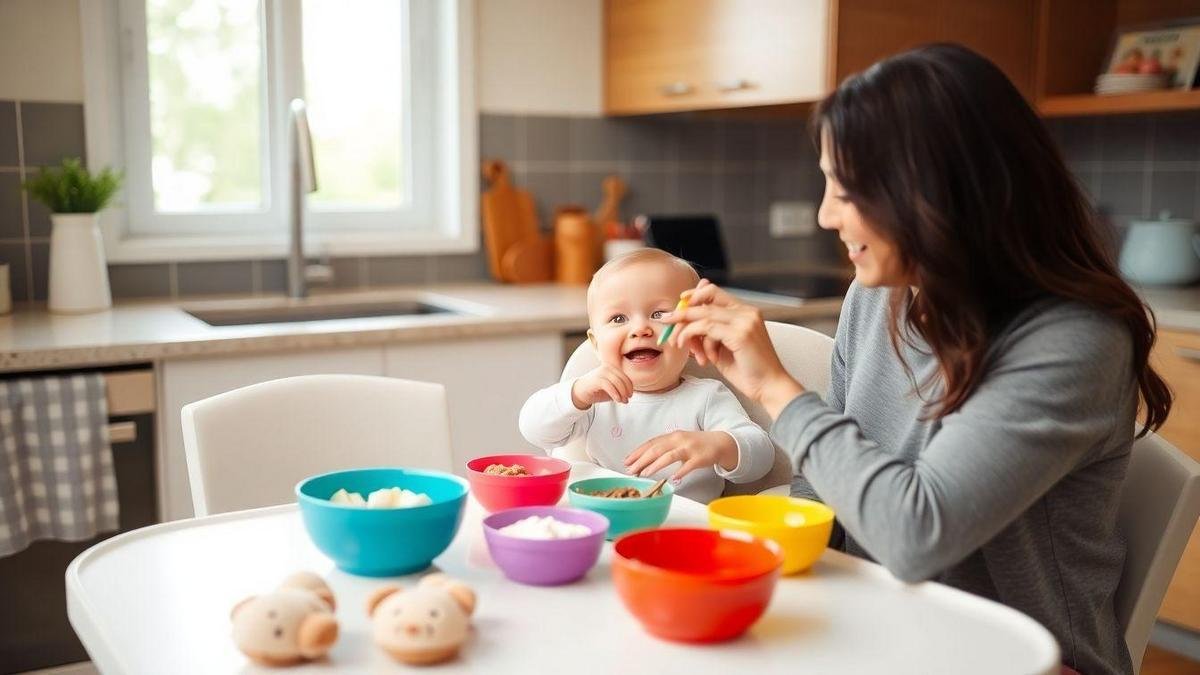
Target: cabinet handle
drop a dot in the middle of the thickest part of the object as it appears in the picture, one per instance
(1188, 354)
(676, 89)
(736, 84)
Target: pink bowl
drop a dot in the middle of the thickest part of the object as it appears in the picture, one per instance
(544, 486)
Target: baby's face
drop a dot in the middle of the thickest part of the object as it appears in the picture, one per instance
(624, 311)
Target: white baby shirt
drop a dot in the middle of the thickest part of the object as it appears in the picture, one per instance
(613, 430)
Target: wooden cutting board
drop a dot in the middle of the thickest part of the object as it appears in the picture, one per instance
(517, 251)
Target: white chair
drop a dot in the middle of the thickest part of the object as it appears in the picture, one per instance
(249, 447)
(805, 354)
(1160, 502)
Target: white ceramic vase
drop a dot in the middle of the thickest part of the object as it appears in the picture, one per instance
(78, 272)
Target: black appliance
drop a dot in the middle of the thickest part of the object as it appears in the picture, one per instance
(697, 239)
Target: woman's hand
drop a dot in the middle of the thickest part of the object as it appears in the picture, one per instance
(716, 328)
(694, 449)
(604, 383)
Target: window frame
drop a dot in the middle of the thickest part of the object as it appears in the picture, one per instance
(451, 222)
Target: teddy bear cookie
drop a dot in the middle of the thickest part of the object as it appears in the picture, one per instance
(423, 625)
(292, 624)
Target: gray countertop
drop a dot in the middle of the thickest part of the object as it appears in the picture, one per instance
(33, 339)
(1175, 308)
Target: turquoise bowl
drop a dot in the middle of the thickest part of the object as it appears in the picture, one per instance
(624, 515)
(382, 542)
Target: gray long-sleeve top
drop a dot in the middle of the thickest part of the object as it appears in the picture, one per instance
(1013, 496)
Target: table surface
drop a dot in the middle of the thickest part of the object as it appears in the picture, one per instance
(158, 600)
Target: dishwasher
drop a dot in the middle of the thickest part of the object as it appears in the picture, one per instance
(34, 630)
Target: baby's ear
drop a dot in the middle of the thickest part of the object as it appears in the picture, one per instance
(591, 338)
(379, 595)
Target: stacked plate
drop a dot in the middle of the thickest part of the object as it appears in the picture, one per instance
(1121, 83)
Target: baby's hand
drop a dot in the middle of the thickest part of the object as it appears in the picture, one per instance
(605, 383)
(693, 449)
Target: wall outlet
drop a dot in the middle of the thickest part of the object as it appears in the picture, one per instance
(793, 219)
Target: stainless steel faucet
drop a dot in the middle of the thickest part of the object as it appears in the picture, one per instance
(304, 180)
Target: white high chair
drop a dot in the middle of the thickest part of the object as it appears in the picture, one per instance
(805, 354)
(249, 447)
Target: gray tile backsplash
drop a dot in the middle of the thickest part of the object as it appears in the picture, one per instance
(272, 276)
(394, 271)
(1132, 166)
(16, 256)
(210, 278)
(1136, 166)
(460, 267)
(52, 132)
(12, 224)
(140, 281)
(8, 134)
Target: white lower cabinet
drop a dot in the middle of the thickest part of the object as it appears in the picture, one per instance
(487, 380)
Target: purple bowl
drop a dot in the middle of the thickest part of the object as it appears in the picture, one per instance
(545, 562)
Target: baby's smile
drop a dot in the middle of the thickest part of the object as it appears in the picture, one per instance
(643, 356)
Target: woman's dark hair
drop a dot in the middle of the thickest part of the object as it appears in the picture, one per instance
(942, 155)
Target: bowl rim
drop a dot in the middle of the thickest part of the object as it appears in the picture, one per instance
(620, 559)
(492, 530)
(826, 517)
(427, 473)
(621, 504)
(563, 468)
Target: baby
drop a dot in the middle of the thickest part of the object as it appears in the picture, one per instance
(638, 412)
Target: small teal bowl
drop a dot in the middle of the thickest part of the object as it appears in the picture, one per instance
(382, 542)
(624, 515)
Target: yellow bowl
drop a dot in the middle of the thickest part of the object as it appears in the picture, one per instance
(800, 526)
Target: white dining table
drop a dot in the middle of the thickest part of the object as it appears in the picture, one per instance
(157, 600)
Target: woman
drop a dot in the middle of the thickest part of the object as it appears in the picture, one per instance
(988, 363)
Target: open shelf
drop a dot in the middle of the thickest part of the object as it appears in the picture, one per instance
(1118, 104)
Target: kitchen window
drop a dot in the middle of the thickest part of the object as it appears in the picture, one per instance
(191, 98)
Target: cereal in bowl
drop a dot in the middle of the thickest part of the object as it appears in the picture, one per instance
(506, 470)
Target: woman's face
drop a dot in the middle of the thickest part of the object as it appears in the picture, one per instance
(876, 259)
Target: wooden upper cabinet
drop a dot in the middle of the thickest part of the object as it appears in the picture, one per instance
(675, 55)
(1002, 30)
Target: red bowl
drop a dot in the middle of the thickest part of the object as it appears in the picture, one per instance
(695, 585)
(544, 486)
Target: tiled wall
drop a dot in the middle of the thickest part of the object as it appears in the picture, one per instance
(675, 164)
(31, 135)
(1133, 166)
(1136, 166)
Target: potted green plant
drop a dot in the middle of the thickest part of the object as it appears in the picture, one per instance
(78, 271)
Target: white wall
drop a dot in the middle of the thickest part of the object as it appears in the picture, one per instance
(40, 50)
(540, 56)
(534, 56)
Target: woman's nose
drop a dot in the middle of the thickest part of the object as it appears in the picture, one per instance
(826, 219)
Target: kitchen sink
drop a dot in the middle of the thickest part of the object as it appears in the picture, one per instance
(242, 315)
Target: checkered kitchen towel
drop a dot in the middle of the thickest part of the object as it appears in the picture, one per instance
(56, 466)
